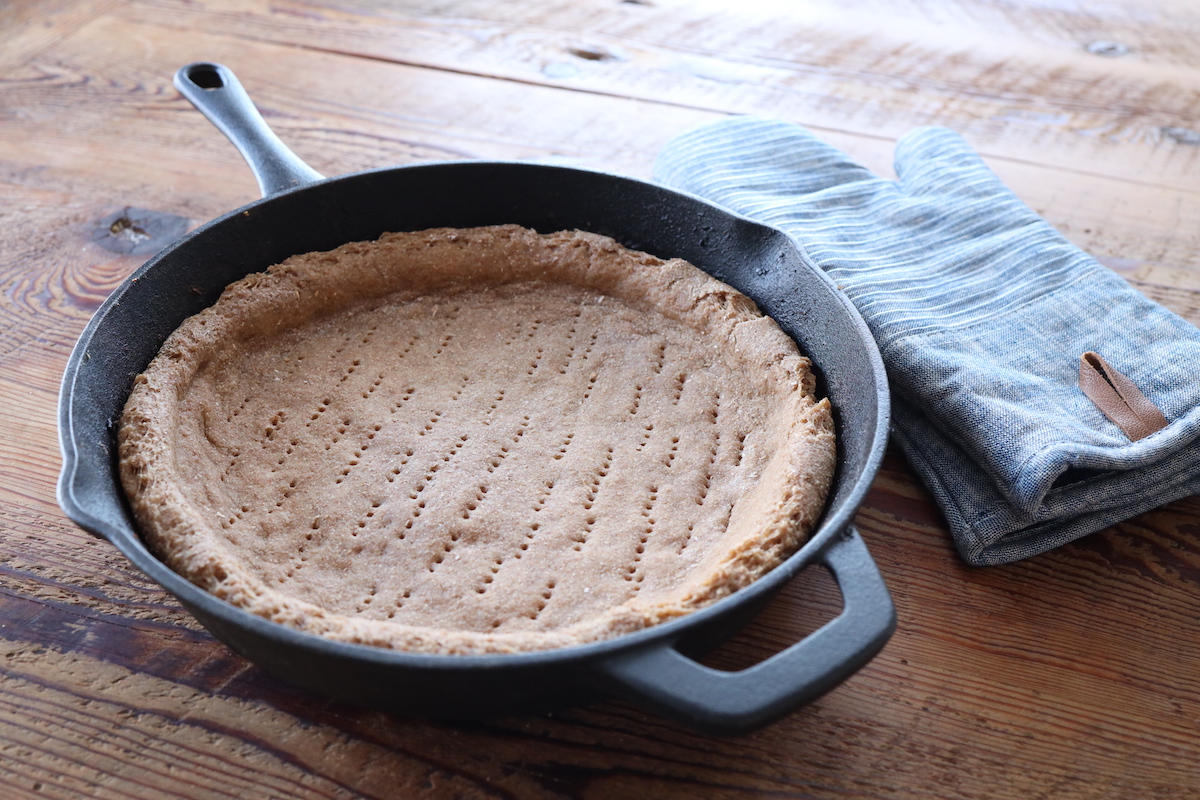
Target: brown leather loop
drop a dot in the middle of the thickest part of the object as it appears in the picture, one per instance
(1118, 398)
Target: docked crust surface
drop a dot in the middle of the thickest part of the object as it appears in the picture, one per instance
(476, 441)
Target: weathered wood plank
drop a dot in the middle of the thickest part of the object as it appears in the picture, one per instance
(856, 70)
(74, 726)
(33, 26)
(150, 137)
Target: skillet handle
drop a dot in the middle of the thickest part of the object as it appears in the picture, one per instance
(218, 94)
(672, 685)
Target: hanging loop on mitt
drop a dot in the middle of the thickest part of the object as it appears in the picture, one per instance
(1118, 398)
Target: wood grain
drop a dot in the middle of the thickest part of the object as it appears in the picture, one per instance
(1070, 675)
(882, 73)
(1111, 206)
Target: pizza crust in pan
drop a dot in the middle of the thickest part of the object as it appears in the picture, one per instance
(479, 440)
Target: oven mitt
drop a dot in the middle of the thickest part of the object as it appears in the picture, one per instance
(1036, 393)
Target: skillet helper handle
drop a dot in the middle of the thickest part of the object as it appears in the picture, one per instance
(218, 94)
(717, 702)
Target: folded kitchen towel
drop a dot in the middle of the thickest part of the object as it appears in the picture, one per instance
(1037, 394)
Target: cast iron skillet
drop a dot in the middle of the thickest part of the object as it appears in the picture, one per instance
(302, 212)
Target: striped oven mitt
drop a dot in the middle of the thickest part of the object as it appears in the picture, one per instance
(1037, 394)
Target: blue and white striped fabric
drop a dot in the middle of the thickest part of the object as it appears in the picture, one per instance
(982, 311)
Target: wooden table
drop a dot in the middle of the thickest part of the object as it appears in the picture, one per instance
(1075, 674)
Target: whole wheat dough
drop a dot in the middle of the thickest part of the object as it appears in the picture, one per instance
(476, 441)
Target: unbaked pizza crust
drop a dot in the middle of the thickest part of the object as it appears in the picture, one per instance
(476, 441)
